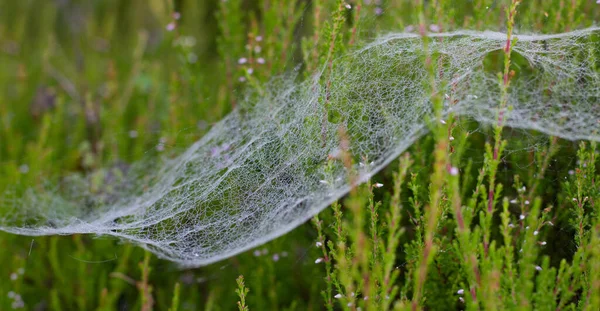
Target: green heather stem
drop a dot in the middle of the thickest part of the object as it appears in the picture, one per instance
(389, 274)
(509, 271)
(493, 156)
(322, 245)
(374, 222)
(594, 243)
(242, 291)
(144, 288)
(338, 22)
(510, 13)
(440, 170)
(175, 300)
(353, 32)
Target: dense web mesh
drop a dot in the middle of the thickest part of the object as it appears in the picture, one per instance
(263, 169)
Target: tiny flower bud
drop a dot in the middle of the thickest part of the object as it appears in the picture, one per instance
(434, 28)
(453, 171)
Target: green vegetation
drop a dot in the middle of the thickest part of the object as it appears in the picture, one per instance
(469, 218)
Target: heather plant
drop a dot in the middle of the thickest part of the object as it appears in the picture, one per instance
(476, 214)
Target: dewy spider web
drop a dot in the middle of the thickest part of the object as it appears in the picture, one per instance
(262, 170)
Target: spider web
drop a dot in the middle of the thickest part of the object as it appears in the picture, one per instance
(263, 170)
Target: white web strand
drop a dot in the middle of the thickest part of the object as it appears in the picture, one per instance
(261, 171)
